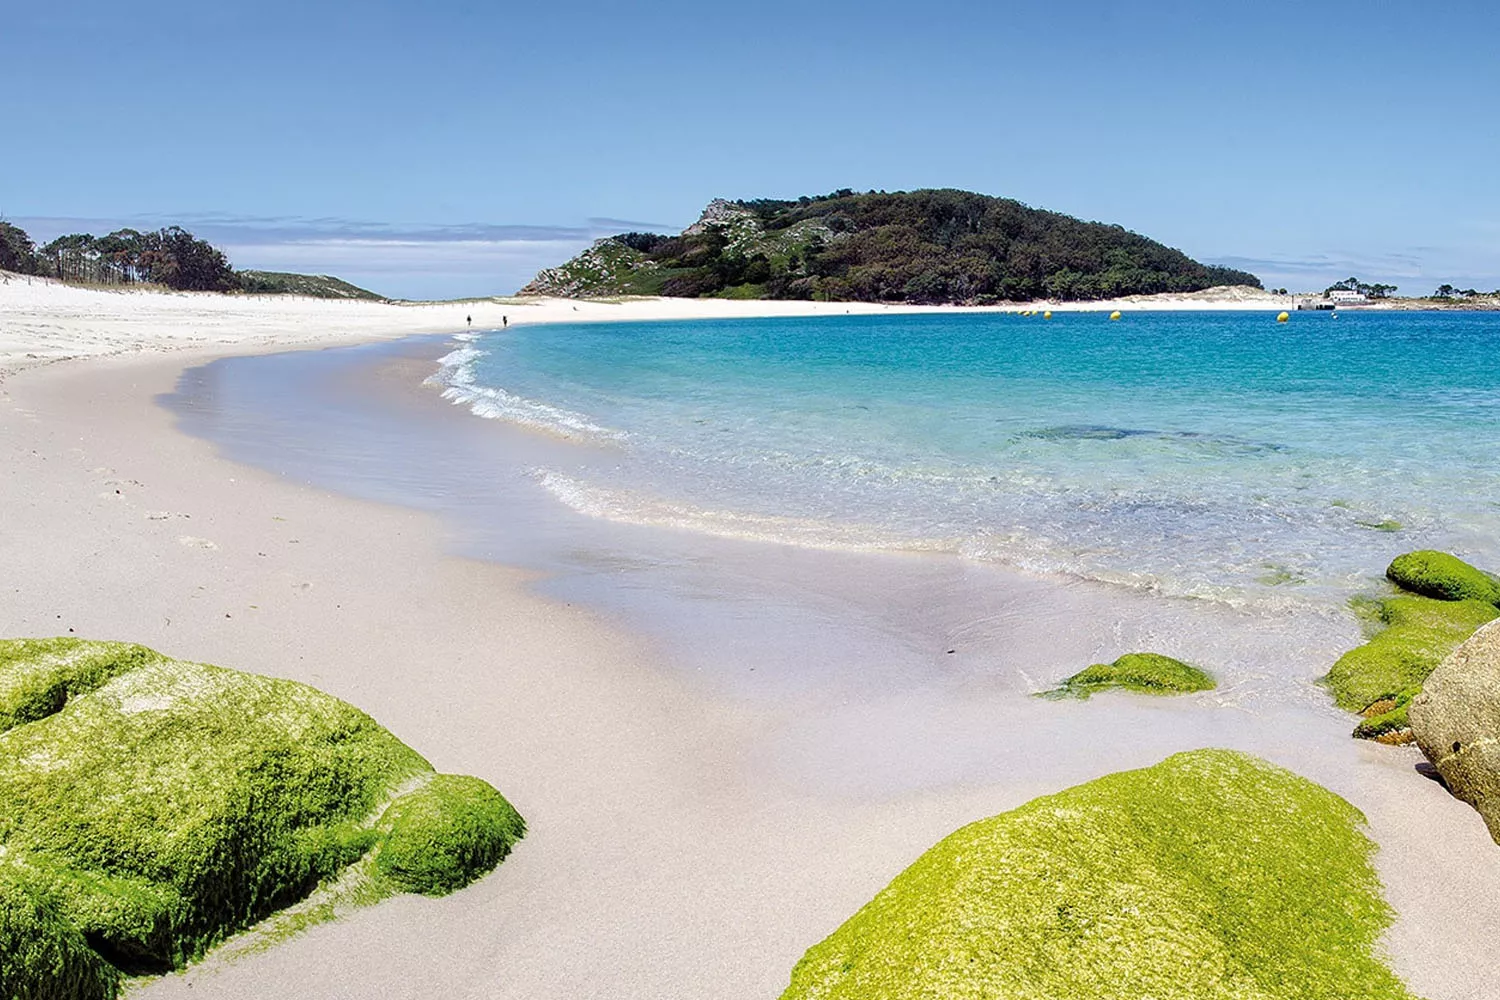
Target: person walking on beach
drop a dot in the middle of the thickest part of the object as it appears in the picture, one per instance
(470, 321)
(504, 321)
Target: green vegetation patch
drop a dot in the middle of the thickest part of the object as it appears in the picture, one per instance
(152, 807)
(1443, 576)
(1149, 673)
(38, 676)
(1212, 875)
(318, 286)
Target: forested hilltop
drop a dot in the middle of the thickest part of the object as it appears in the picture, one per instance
(941, 246)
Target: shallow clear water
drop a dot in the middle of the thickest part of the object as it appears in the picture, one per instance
(1215, 455)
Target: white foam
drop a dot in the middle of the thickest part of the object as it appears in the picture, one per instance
(456, 374)
(1017, 550)
(632, 507)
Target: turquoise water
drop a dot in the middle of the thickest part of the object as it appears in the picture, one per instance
(1215, 455)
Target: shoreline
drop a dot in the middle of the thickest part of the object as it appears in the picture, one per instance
(44, 321)
(661, 830)
(633, 784)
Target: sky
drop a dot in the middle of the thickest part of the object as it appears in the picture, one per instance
(453, 148)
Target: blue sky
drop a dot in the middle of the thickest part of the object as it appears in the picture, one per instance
(449, 148)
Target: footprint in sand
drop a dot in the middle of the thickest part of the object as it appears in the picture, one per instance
(194, 542)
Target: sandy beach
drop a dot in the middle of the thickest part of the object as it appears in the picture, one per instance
(685, 840)
(42, 320)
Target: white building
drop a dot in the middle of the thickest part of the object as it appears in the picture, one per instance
(1342, 297)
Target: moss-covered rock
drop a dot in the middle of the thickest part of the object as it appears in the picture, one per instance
(1415, 633)
(1211, 876)
(1149, 673)
(42, 955)
(1445, 600)
(437, 837)
(38, 676)
(154, 807)
(1442, 576)
(1385, 720)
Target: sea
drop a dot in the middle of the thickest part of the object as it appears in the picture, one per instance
(1220, 456)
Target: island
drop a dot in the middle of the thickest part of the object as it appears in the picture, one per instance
(921, 247)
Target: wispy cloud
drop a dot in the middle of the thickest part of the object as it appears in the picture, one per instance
(403, 260)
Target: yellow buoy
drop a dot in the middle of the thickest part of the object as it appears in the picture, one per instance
(1115, 314)
(1047, 314)
(1283, 317)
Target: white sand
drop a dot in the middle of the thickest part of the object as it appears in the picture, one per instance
(661, 861)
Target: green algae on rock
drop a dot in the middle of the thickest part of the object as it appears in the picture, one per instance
(1446, 600)
(1212, 875)
(1415, 634)
(152, 808)
(1149, 673)
(439, 835)
(1442, 576)
(42, 955)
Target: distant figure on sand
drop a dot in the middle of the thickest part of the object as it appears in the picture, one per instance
(469, 320)
(504, 321)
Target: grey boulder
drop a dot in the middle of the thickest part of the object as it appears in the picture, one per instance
(1456, 722)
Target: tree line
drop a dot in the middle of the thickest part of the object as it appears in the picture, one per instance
(1379, 291)
(1447, 291)
(1374, 291)
(171, 256)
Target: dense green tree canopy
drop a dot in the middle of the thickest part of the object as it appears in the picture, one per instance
(17, 253)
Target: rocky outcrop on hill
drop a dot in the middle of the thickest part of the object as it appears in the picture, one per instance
(609, 267)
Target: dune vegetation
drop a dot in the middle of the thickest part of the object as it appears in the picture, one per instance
(1148, 673)
(1212, 875)
(1442, 601)
(317, 286)
(150, 808)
